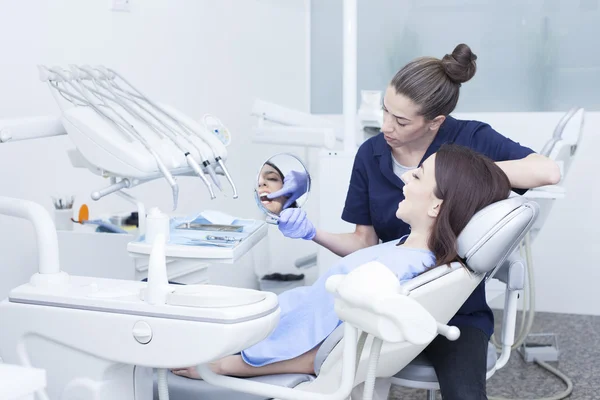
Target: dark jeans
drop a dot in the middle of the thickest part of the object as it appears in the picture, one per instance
(460, 365)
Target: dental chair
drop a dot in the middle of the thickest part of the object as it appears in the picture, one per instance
(485, 244)
(561, 148)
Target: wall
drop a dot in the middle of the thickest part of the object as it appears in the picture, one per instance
(532, 55)
(197, 55)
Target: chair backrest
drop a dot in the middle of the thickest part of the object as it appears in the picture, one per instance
(489, 237)
(494, 232)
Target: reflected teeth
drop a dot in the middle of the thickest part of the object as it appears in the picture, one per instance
(263, 194)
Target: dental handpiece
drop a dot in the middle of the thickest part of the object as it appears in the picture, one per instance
(213, 175)
(226, 172)
(166, 130)
(192, 163)
(110, 74)
(170, 179)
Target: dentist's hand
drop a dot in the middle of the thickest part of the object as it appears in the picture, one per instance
(294, 223)
(294, 185)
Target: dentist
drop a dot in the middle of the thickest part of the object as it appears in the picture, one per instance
(416, 122)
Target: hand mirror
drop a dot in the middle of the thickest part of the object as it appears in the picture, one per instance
(282, 182)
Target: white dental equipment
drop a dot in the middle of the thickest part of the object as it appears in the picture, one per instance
(20, 383)
(122, 134)
(125, 134)
(406, 317)
(282, 125)
(95, 337)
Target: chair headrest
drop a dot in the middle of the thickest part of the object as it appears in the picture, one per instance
(494, 232)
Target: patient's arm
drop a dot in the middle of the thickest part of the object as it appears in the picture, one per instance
(235, 366)
(343, 244)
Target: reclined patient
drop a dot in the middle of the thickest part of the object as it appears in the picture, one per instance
(441, 197)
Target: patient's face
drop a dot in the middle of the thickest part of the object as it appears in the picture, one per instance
(270, 181)
(420, 204)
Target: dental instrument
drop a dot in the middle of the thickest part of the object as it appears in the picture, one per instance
(103, 226)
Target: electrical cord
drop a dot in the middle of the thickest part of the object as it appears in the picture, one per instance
(527, 317)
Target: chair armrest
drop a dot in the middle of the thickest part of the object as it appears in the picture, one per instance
(512, 272)
(327, 347)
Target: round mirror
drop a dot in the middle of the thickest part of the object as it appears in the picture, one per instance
(282, 182)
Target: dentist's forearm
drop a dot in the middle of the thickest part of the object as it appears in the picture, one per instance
(343, 244)
(531, 172)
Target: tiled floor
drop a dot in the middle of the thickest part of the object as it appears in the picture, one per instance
(579, 344)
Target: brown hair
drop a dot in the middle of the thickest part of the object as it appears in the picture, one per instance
(466, 181)
(434, 84)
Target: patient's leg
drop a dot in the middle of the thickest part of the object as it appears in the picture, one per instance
(235, 366)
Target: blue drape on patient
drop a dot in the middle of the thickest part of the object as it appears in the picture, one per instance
(307, 313)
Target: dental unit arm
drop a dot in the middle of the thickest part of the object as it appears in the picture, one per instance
(121, 134)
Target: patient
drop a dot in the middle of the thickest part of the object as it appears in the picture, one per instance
(270, 180)
(441, 197)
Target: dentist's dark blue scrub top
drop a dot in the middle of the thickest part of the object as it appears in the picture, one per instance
(375, 192)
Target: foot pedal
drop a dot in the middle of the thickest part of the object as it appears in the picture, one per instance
(541, 347)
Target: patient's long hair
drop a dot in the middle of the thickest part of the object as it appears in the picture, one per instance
(466, 181)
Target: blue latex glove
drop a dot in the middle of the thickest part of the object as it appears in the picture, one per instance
(294, 223)
(294, 185)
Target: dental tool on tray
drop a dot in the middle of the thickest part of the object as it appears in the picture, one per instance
(128, 137)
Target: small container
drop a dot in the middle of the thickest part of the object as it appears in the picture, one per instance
(62, 219)
(156, 223)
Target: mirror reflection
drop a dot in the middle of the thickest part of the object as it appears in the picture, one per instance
(283, 182)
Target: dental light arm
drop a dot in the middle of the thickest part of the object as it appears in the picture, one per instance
(291, 127)
(12, 130)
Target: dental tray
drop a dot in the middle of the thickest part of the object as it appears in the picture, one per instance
(210, 227)
(192, 244)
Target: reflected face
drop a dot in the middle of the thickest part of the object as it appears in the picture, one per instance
(420, 205)
(270, 181)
